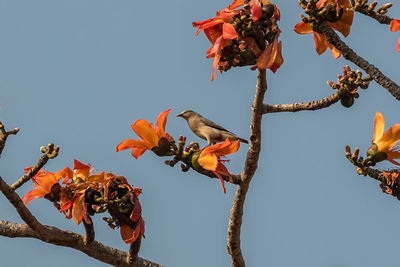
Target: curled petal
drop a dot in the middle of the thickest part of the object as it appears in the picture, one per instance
(398, 45)
(81, 170)
(129, 235)
(235, 4)
(161, 122)
(221, 180)
(215, 64)
(137, 152)
(35, 193)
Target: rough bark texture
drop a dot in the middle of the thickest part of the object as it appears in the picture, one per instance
(34, 229)
(370, 69)
(294, 107)
(69, 239)
(235, 220)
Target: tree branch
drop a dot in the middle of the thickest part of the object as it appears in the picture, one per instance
(349, 54)
(4, 135)
(48, 153)
(235, 220)
(69, 239)
(294, 107)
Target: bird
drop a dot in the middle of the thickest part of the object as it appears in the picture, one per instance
(206, 129)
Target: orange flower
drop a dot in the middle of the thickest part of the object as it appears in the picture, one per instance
(209, 158)
(43, 182)
(384, 145)
(150, 136)
(81, 173)
(81, 180)
(233, 44)
(394, 27)
(342, 25)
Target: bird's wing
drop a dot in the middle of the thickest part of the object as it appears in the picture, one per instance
(214, 125)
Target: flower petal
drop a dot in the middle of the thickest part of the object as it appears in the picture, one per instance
(395, 25)
(228, 31)
(390, 138)
(320, 43)
(302, 28)
(215, 64)
(255, 10)
(78, 208)
(137, 152)
(379, 127)
(208, 161)
(398, 45)
(130, 143)
(128, 234)
(147, 132)
(221, 180)
(235, 4)
(161, 122)
(35, 193)
(81, 170)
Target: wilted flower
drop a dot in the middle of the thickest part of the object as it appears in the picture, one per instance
(247, 36)
(342, 25)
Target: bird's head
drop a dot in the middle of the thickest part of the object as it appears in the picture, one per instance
(186, 114)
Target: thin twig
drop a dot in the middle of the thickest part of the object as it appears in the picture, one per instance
(294, 107)
(73, 240)
(235, 220)
(48, 153)
(4, 135)
(349, 54)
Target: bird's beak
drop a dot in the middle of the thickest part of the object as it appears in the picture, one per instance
(178, 115)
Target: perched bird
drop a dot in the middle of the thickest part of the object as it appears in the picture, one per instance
(206, 129)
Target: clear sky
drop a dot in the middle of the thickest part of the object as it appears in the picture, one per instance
(79, 72)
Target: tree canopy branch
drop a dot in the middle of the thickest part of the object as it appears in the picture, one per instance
(294, 107)
(349, 54)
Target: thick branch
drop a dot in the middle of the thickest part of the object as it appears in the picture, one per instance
(69, 239)
(370, 69)
(294, 107)
(235, 220)
(23, 211)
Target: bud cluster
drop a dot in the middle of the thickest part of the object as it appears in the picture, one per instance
(348, 84)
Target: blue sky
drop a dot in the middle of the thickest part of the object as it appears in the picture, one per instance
(78, 73)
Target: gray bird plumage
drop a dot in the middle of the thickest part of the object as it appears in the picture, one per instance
(206, 129)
